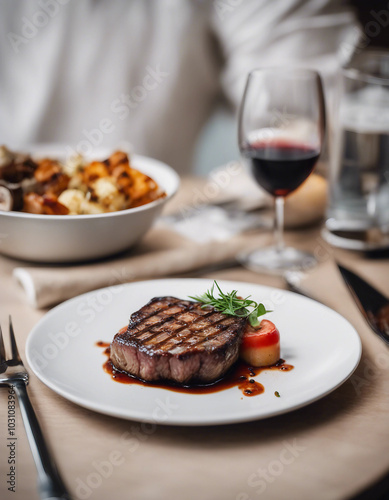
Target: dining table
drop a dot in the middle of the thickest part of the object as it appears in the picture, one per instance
(334, 448)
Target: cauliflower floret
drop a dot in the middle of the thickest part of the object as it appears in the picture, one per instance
(73, 165)
(72, 199)
(89, 207)
(104, 188)
(108, 195)
(78, 204)
(76, 182)
(6, 156)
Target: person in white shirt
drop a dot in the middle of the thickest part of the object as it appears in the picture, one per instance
(95, 73)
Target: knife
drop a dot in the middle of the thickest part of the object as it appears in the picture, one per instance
(373, 305)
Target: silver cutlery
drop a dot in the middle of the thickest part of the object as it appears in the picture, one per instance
(14, 374)
(373, 304)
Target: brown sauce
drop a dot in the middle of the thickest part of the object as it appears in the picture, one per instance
(240, 375)
(100, 343)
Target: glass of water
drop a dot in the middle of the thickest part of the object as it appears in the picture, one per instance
(359, 173)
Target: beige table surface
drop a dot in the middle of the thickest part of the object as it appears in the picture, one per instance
(331, 449)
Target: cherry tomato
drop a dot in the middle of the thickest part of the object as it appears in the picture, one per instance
(264, 336)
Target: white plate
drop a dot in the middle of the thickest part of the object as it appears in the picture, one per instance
(323, 347)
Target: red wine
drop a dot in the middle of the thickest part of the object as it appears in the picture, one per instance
(279, 166)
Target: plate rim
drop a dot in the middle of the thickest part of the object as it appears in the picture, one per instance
(353, 243)
(181, 420)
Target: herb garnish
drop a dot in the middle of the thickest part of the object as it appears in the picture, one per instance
(229, 303)
(277, 394)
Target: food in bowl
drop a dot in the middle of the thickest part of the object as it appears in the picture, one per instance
(75, 238)
(74, 187)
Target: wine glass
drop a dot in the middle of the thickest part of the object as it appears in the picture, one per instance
(281, 133)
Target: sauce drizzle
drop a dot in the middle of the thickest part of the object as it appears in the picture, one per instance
(240, 375)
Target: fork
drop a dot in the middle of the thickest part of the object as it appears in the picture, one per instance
(14, 374)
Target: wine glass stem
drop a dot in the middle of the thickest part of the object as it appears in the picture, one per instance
(279, 223)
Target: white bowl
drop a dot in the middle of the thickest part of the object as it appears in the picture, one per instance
(72, 238)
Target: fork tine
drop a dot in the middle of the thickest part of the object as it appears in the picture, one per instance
(14, 347)
(2, 348)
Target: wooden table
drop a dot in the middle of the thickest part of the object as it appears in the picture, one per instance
(332, 449)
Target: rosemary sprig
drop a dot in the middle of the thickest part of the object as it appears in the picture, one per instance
(229, 303)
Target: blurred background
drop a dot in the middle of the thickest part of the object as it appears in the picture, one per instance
(217, 143)
(65, 66)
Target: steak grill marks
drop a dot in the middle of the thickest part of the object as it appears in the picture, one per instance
(168, 323)
(177, 340)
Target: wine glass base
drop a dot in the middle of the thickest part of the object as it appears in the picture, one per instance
(273, 261)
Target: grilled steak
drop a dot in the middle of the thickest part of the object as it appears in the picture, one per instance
(177, 340)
